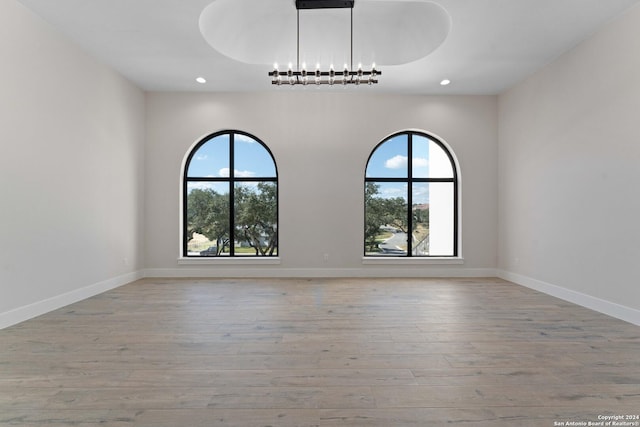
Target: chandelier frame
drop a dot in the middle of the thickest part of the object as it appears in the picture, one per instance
(302, 76)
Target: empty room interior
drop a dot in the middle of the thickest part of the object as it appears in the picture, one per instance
(319, 213)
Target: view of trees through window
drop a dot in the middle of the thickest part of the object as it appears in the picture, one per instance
(230, 198)
(410, 198)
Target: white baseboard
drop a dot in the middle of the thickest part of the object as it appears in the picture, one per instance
(240, 272)
(609, 308)
(35, 309)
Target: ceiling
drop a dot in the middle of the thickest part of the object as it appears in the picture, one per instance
(491, 45)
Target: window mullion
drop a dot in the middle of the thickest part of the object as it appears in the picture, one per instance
(185, 213)
(232, 196)
(410, 195)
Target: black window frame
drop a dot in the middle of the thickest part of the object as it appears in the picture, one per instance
(409, 180)
(232, 180)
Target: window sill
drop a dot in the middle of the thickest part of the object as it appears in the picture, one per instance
(412, 260)
(228, 260)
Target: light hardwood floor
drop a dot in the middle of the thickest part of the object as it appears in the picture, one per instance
(319, 352)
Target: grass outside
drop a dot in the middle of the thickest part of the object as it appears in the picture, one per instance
(200, 243)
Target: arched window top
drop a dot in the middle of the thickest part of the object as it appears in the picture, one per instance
(410, 154)
(213, 156)
(230, 197)
(411, 198)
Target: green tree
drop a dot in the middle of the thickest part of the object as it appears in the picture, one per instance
(395, 213)
(420, 216)
(373, 215)
(380, 211)
(257, 217)
(208, 214)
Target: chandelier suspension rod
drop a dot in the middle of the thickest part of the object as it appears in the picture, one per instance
(351, 48)
(298, 41)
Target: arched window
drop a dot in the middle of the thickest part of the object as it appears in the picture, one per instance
(230, 197)
(411, 198)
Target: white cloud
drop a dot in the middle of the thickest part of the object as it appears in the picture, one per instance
(421, 194)
(243, 138)
(397, 162)
(199, 186)
(202, 157)
(243, 174)
(393, 192)
(420, 162)
(224, 172)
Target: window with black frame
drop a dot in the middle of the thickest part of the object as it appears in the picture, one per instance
(230, 198)
(411, 198)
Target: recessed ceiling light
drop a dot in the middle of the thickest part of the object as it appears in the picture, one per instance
(445, 82)
(201, 80)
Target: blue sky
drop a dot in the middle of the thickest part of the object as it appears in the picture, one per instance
(251, 159)
(391, 159)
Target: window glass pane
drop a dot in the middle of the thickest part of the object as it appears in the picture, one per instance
(390, 159)
(420, 215)
(256, 218)
(429, 159)
(252, 159)
(211, 159)
(420, 161)
(207, 218)
(433, 219)
(386, 218)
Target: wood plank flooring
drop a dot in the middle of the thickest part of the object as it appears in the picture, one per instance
(319, 352)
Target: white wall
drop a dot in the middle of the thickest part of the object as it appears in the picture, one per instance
(71, 181)
(569, 161)
(321, 142)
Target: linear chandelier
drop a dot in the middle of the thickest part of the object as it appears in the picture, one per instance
(301, 76)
